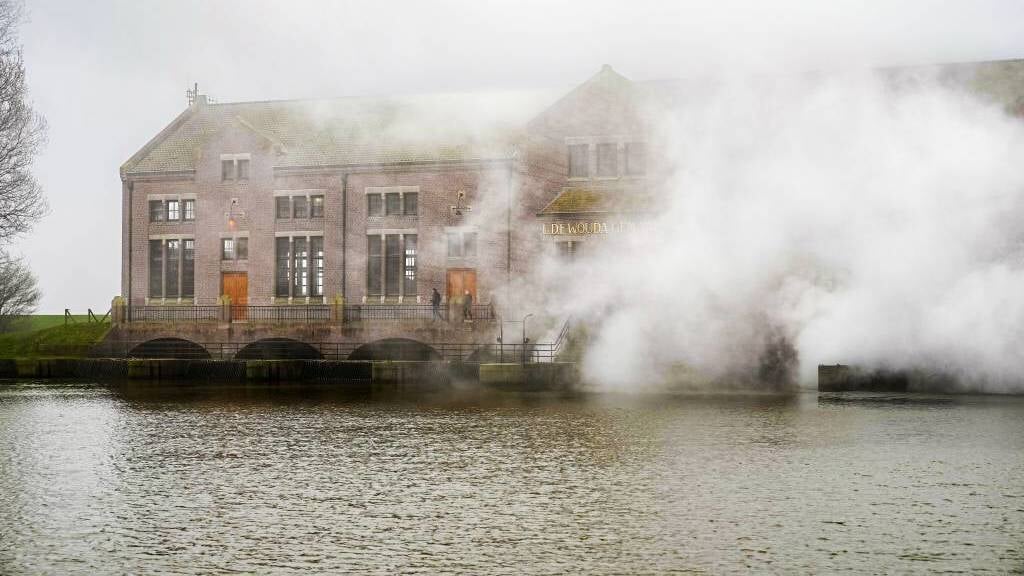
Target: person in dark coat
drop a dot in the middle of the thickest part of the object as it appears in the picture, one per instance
(435, 304)
(467, 306)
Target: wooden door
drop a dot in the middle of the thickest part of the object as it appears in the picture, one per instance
(460, 280)
(236, 285)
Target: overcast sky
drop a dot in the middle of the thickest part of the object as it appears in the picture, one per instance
(109, 75)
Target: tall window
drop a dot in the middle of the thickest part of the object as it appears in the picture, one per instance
(227, 248)
(242, 248)
(374, 205)
(636, 158)
(171, 268)
(300, 207)
(462, 244)
(300, 278)
(227, 170)
(282, 269)
(393, 203)
(243, 168)
(316, 206)
(299, 267)
(410, 265)
(188, 268)
(469, 244)
(316, 248)
(411, 207)
(607, 160)
(173, 210)
(156, 211)
(454, 245)
(392, 264)
(283, 206)
(374, 265)
(189, 210)
(579, 159)
(156, 268)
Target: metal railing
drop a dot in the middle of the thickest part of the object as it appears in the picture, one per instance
(295, 313)
(360, 312)
(308, 313)
(173, 313)
(289, 349)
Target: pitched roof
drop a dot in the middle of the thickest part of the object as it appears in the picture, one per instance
(353, 131)
(598, 200)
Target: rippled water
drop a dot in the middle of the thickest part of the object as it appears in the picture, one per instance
(305, 480)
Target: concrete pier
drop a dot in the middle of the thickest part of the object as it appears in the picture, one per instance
(386, 375)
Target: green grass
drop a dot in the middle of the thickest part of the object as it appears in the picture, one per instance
(52, 340)
(41, 321)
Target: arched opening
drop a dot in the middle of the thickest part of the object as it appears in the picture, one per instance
(169, 348)
(278, 349)
(395, 349)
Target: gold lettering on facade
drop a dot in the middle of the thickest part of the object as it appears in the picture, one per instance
(590, 228)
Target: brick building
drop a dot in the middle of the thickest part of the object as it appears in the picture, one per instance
(381, 200)
(375, 200)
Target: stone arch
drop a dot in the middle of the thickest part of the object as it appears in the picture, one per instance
(169, 348)
(395, 349)
(278, 349)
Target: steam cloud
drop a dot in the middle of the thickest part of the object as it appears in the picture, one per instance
(849, 218)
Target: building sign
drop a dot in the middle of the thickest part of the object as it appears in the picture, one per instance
(589, 228)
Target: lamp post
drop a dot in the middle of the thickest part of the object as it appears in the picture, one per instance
(525, 339)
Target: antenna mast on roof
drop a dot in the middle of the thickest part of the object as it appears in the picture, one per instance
(194, 97)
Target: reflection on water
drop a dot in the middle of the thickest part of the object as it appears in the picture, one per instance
(309, 480)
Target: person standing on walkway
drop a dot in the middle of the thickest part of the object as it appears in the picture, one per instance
(467, 306)
(435, 304)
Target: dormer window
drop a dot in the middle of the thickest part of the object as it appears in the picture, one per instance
(579, 160)
(234, 167)
(607, 160)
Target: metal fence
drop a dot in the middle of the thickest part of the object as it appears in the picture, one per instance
(309, 313)
(302, 313)
(293, 349)
(173, 313)
(360, 312)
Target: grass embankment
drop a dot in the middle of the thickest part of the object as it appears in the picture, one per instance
(46, 336)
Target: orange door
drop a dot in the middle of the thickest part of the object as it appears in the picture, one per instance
(236, 285)
(460, 280)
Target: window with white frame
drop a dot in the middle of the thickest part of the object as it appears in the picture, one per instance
(299, 266)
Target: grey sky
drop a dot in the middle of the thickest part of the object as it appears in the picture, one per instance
(108, 75)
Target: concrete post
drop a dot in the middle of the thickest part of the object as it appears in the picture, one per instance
(118, 311)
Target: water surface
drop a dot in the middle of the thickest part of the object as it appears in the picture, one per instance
(96, 480)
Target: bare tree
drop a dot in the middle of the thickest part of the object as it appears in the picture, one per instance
(19, 291)
(22, 133)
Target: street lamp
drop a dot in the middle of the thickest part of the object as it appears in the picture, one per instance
(525, 339)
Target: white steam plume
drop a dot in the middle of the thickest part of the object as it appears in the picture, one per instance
(860, 222)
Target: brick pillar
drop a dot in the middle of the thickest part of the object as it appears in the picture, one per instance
(225, 308)
(338, 309)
